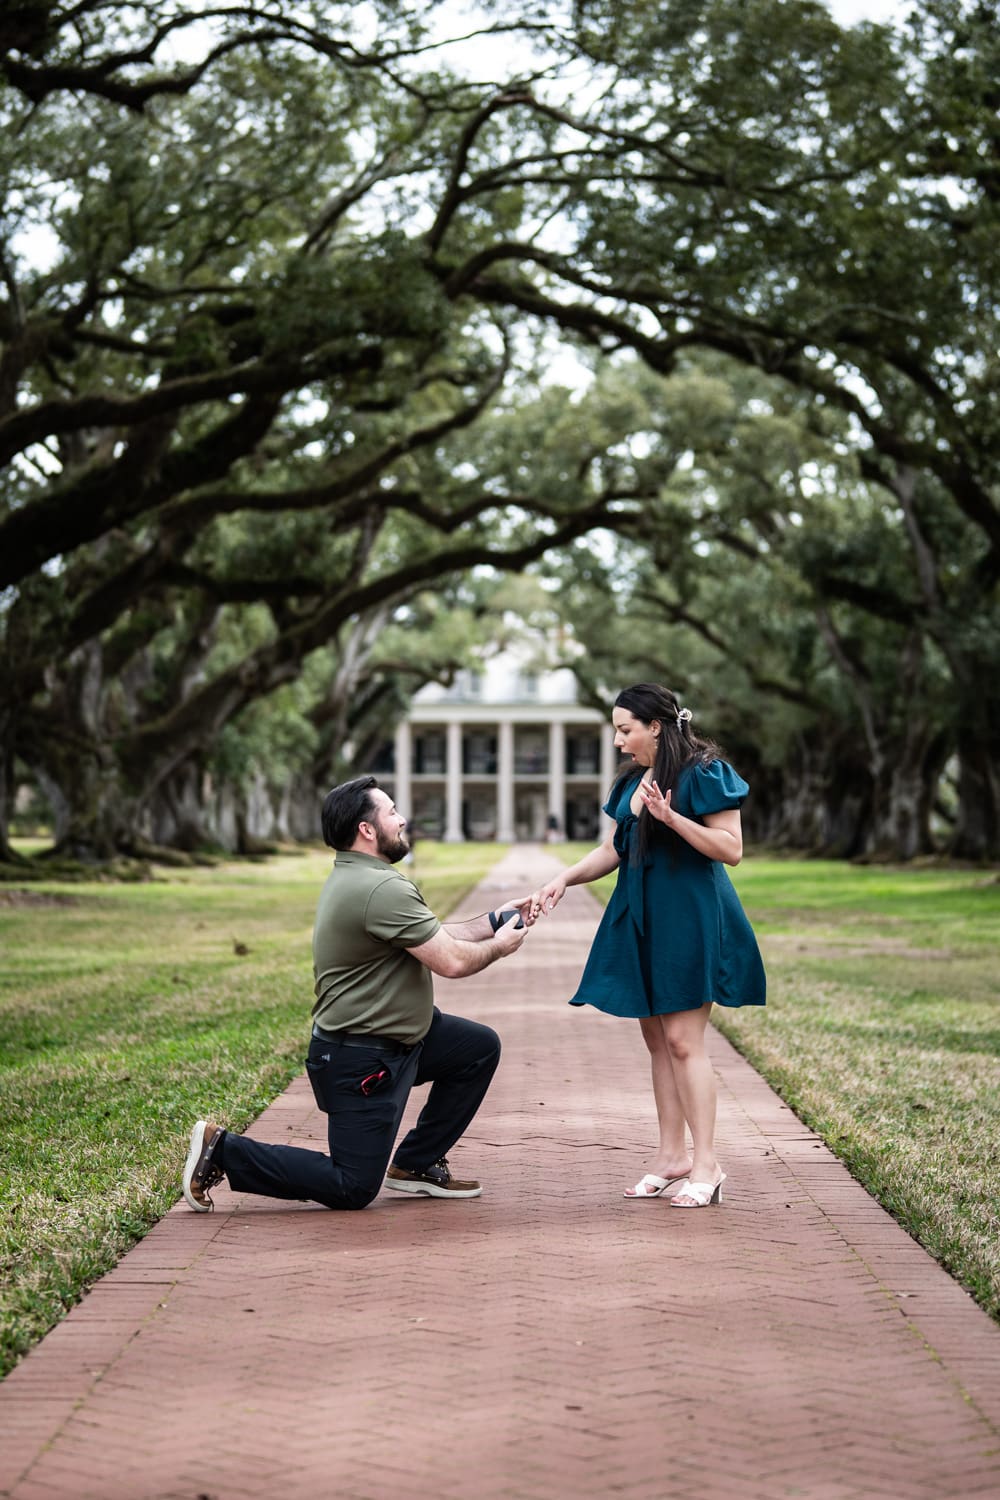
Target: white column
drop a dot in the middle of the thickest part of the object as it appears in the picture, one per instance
(404, 765)
(557, 776)
(505, 783)
(453, 816)
(608, 764)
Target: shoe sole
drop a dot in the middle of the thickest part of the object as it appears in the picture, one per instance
(428, 1190)
(197, 1142)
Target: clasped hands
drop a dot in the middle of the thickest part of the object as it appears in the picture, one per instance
(542, 901)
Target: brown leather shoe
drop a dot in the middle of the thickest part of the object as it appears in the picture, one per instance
(434, 1182)
(200, 1171)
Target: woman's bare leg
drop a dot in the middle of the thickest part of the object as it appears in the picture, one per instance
(672, 1157)
(694, 1081)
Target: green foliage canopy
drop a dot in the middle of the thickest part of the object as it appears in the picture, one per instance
(292, 279)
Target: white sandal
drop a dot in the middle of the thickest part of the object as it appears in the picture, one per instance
(652, 1186)
(703, 1193)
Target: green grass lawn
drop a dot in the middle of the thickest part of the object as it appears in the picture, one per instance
(128, 1011)
(882, 1031)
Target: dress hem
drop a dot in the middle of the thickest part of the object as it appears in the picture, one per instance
(671, 1010)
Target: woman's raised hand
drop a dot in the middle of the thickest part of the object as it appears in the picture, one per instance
(656, 803)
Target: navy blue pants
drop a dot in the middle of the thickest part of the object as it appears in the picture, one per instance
(457, 1058)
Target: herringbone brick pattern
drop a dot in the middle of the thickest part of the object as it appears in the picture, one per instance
(547, 1340)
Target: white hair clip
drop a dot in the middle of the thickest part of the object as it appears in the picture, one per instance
(684, 716)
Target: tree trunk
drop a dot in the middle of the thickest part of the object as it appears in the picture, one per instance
(977, 826)
(818, 803)
(7, 789)
(174, 813)
(98, 819)
(901, 823)
(258, 823)
(299, 811)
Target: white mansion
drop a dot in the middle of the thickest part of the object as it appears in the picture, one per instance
(505, 754)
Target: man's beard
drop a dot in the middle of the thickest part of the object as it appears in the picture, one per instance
(392, 849)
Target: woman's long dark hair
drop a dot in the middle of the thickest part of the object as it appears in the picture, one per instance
(677, 747)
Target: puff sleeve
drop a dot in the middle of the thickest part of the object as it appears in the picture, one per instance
(715, 787)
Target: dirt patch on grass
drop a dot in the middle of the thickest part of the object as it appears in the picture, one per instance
(37, 898)
(871, 947)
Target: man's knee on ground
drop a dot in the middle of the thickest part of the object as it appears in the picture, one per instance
(357, 1196)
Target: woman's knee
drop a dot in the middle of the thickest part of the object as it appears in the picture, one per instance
(653, 1035)
(685, 1037)
(679, 1046)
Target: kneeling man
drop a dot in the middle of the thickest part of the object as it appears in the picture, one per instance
(376, 1031)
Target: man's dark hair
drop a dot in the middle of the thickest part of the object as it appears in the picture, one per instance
(345, 808)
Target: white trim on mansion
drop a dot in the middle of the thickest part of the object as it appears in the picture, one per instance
(509, 756)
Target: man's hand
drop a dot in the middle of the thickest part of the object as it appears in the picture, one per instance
(509, 937)
(517, 908)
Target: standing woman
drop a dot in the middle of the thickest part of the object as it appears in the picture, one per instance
(674, 939)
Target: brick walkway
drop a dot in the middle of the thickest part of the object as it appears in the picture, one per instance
(545, 1342)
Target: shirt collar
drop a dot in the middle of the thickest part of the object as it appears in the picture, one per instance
(356, 857)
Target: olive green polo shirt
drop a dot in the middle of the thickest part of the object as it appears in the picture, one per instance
(368, 915)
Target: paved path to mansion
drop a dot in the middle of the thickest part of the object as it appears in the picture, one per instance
(546, 1341)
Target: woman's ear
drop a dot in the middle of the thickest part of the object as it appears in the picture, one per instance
(656, 727)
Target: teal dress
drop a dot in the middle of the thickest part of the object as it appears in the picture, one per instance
(674, 935)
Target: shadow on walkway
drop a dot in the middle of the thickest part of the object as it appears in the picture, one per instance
(544, 1342)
